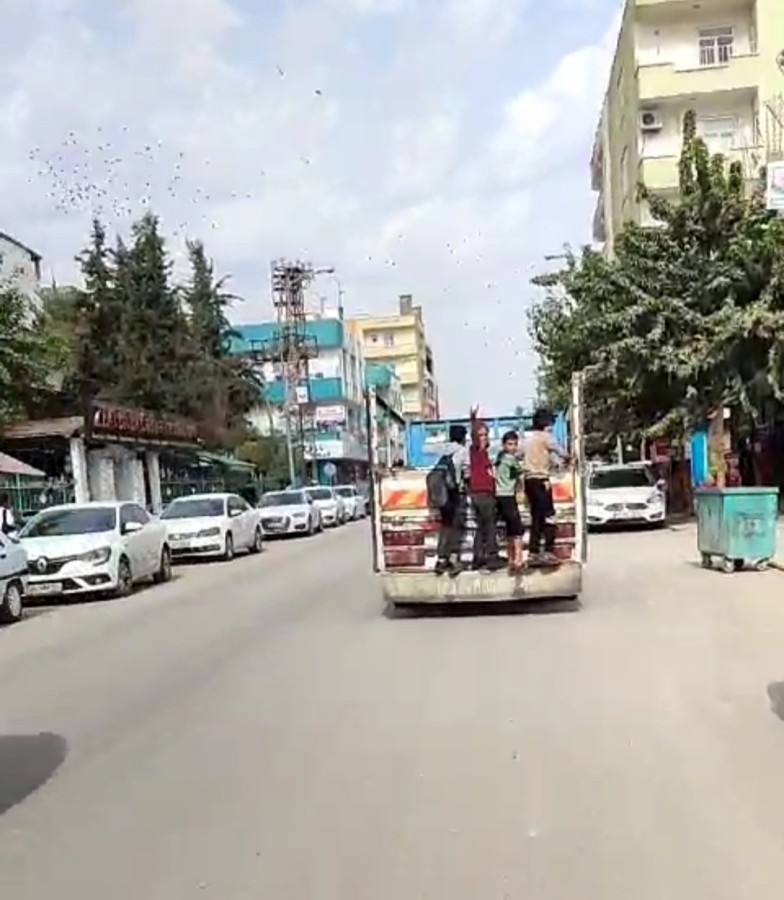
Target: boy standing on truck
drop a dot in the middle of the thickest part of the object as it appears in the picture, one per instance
(508, 474)
(452, 511)
(481, 481)
(540, 446)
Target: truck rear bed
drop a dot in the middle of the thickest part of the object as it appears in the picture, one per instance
(407, 539)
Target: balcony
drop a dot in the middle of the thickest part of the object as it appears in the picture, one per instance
(662, 80)
(660, 173)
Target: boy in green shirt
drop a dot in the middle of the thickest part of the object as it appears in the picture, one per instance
(508, 472)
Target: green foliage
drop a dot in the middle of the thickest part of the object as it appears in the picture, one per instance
(136, 339)
(28, 354)
(684, 318)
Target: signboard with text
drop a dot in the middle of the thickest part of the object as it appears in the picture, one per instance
(140, 423)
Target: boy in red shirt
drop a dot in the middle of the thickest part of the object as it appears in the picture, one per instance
(481, 486)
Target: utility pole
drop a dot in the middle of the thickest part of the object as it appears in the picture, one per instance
(290, 351)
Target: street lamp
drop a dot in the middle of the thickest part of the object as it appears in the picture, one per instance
(331, 271)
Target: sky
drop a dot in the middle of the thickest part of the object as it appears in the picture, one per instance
(438, 148)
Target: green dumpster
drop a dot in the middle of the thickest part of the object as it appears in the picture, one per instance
(738, 525)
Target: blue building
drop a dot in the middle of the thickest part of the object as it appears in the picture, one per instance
(330, 419)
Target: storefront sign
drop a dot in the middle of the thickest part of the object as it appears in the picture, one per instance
(139, 423)
(330, 415)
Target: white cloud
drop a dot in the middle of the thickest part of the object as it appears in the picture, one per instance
(265, 136)
(480, 23)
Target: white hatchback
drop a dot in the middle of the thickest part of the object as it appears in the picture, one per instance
(92, 548)
(329, 504)
(13, 579)
(625, 495)
(355, 504)
(290, 512)
(212, 525)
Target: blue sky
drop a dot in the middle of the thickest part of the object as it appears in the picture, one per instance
(432, 148)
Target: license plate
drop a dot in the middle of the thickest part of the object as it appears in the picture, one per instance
(182, 545)
(45, 589)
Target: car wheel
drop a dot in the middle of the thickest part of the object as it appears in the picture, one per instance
(12, 604)
(164, 572)
(258, 541)
(228, 550)
(124, 578)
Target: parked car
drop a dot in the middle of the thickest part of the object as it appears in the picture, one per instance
(290, 512)
(625, 495)
(214, 525)
(355, 503)
(329, 504)
(94, 548)
(13, 579)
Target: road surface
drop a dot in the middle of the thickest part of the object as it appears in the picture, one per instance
(261, 730)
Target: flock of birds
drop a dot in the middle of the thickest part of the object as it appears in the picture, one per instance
(98, 176)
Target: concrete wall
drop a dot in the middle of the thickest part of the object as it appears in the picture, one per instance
(18, 269)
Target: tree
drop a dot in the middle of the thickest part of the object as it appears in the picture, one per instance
(28, 354)
(685, 318)
(228, 386)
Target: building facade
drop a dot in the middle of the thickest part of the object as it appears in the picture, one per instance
(400, 341)
(327, 417)
(20, 267)
(390, 421)
(717, 58)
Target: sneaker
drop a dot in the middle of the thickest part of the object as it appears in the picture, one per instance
(550, 559)
(454, 569)
(442, 566)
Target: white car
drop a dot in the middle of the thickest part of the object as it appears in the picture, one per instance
(216, 525)
(289, 512)
(92, 548)
(625, 495)
(355, 503)
(329, 504)
(13, 579)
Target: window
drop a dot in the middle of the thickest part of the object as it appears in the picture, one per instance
(237, 506)
(716, 46)
(718, 133)
(389, 340)
(139, 515)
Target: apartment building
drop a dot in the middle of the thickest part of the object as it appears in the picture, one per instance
(330, 420)
(399, 341)
(20, 267)
(716, 57)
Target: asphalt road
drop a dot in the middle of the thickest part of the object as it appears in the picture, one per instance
(261, 730)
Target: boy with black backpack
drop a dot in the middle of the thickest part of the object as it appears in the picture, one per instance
(446, 493)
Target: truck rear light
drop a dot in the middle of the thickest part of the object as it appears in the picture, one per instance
(564, 530)
(405, 557)
(405, 538)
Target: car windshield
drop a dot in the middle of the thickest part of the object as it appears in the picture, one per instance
(195, 508)
(604, 479)
(320, 494)
(284, 498)
(344, 491)
(78, 520)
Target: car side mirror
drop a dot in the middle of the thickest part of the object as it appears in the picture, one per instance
(234, 513)
(132, 527)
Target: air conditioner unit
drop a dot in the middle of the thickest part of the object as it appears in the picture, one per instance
(650, 120)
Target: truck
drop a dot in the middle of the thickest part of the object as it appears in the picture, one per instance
(405, 530)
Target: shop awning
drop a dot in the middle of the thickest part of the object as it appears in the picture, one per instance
(11, 466)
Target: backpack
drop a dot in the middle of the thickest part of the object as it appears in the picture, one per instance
(441, 482)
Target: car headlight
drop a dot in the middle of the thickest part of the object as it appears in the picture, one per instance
(300, 515)
(208, 532)
(97, 557)
(655, 498)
